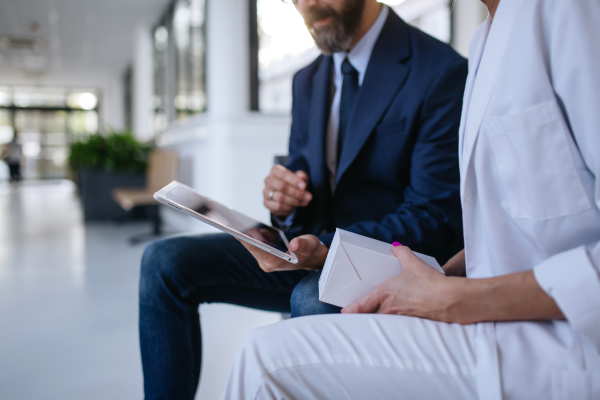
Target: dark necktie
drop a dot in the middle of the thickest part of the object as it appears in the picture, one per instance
(347, 100)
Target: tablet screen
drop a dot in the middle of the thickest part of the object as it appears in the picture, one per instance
(226, 216)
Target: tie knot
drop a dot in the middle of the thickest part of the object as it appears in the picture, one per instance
(347, 68)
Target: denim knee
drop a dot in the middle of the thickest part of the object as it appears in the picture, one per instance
(159, 268)
(305, 298)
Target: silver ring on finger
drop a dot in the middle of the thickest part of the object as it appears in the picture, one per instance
(271, 193)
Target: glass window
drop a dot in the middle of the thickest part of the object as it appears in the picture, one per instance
(161, 98)
(31, 96)
(6, 128)
(281, 31)
(188, 32)
(179, 63)
(81, 123)
(5, 96)
(82, 100)
(46, 120)
(285, 46)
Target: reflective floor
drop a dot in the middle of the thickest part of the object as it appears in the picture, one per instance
(68, 304)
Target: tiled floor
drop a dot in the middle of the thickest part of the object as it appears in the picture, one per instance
(68, 304)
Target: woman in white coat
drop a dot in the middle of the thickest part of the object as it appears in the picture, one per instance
(525, 323)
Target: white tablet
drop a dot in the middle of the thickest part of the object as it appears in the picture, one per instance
(187, 200)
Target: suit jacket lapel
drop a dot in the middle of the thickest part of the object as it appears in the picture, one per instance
(487, 72)
(383, 78)
(319, 114)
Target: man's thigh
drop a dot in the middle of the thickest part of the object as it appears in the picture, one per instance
(305, 298)
(356, 357)
(199, 269)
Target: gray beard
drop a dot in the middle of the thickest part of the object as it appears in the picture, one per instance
(341, 31)
(333, 42)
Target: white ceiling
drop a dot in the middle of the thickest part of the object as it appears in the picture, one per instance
(78, 36)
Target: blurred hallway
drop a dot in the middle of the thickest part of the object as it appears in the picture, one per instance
(68, 303)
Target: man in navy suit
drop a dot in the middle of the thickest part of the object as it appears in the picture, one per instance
(373, 150)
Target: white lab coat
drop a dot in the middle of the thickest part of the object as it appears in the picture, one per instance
(530, 187)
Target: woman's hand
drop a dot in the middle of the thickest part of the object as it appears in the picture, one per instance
(417, 291)
(421, 291)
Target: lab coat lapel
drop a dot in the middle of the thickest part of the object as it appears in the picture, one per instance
(474, 60)
(485, 77)
(319, 111)
(384, 76)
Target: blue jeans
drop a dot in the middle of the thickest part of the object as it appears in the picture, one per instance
(180, 273)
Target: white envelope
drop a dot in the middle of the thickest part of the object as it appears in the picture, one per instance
(356, 265)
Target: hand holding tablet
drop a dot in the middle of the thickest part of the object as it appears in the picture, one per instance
(242, 227)
(310, 251)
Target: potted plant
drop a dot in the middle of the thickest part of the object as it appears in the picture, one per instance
(103, 163)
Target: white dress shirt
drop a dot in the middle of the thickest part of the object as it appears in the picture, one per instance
(359, 57)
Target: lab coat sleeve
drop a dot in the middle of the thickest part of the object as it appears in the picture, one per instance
(571, 31)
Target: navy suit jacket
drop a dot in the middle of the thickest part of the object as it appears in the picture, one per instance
(398, 177)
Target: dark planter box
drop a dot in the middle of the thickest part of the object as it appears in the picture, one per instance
(96, 187)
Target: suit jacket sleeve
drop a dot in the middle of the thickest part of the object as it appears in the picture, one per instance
(295, 160)
(428, 219)
(572, 278)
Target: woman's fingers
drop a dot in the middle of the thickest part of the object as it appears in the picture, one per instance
(403, 253)
(368, 304)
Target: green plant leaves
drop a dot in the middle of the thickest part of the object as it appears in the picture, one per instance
(117, 151)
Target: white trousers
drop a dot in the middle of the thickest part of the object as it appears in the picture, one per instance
(356, 357)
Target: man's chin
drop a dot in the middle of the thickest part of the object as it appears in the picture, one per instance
(328, 45)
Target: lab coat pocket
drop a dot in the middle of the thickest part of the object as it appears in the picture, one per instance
(531, 151)
(575, 385)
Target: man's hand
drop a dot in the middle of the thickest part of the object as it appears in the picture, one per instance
(308, 248)
(415, 291)
(285, 190)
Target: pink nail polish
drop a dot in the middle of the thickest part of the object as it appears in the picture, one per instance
(396, 244)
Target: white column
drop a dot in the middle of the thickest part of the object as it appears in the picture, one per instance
(143, 84)
(228, 85)
(467, 16)
(228, 75)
